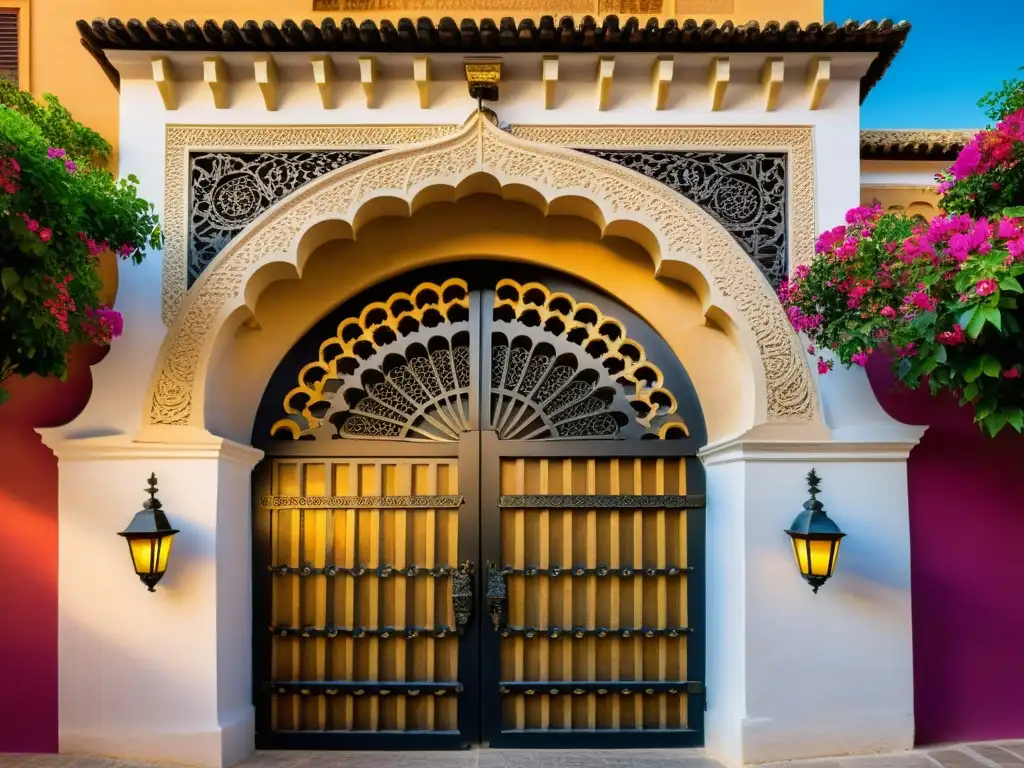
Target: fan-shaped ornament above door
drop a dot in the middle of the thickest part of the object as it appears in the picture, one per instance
(414, 367)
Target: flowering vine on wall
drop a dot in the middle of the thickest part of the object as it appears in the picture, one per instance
(60, 210)
(942, 299)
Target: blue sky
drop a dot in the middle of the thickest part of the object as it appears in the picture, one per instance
(952, 57)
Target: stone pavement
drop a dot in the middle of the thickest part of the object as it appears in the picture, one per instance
(1003, 754)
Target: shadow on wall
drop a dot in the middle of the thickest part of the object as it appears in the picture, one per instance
(28, 552)
(966, 529)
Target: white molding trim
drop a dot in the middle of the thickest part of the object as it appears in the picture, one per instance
(741, 449)
(200, 445)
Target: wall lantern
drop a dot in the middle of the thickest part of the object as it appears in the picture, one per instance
(815, 538)
(150, 536)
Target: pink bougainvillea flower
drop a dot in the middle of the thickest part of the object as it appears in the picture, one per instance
(951, 338)
(986, 287)
(810, 349)
(824, 366)
(1007, 229)
(860, 358)
(888, 312)
(54, 152)
(1012, 373)
(127, 250)
(33, 225)
(70, 165)
(921, 300)
(45, 235)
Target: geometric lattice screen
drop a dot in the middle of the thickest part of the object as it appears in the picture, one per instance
(744, 191)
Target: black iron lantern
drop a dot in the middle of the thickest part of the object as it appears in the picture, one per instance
(149, 537)
(815, 538)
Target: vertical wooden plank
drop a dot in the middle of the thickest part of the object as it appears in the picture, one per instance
(638, 592)
(330, 585)
(684, 620)
(543, 597)
(591, 582)
(566, 582)
(291, 486)
(349, 561)
(315, 483)
(613, 599)
(404, 483)
(275, 559)
(452, 516)
(430, 614)
(662, 581)
(517, 609)
(373, 486)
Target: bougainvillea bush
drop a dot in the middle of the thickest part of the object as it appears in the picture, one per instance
(941, 299)
(59, 211)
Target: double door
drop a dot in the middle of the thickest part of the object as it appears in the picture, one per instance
(503, 592)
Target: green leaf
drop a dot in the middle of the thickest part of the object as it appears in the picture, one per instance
(4, 395)
(924, 321)
(940, 355)
(974, 370)
(1011, 324)
(985, 408)
(994, 316)
(1015, 418)
(995, 423)
(977, 324)
(1014, 212)
(9, 278)
(966, 317)
(970, 391)
(990, 366)
(1011, 284)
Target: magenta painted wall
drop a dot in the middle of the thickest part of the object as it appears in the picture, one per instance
(967, 569)
(28, 554)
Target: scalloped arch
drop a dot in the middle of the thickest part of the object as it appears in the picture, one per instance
(680, 237)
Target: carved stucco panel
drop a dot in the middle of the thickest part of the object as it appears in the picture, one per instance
(796, 141)
(181, 141)
(680, 224)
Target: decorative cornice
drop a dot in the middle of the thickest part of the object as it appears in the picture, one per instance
(199, 444)
(912, 144)
(884, 38)
(741, 450)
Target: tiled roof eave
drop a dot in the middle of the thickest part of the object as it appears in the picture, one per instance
(565, 36)
(912, 144)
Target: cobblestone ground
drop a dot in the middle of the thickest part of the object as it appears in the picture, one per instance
(1003, 754)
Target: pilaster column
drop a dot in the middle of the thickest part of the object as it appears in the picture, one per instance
(163, 676)
(792, 674)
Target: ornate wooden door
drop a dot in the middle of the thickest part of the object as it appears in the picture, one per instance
(480, 519)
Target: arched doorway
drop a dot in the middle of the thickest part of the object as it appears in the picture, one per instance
(480, 519)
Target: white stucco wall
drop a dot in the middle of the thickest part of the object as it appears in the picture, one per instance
(167, 676)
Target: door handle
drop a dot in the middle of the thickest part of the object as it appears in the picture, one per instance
(497, 595)
(462, 594)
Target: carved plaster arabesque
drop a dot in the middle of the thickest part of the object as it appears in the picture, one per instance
(182, 141)
(683, 229)
(796, 141)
